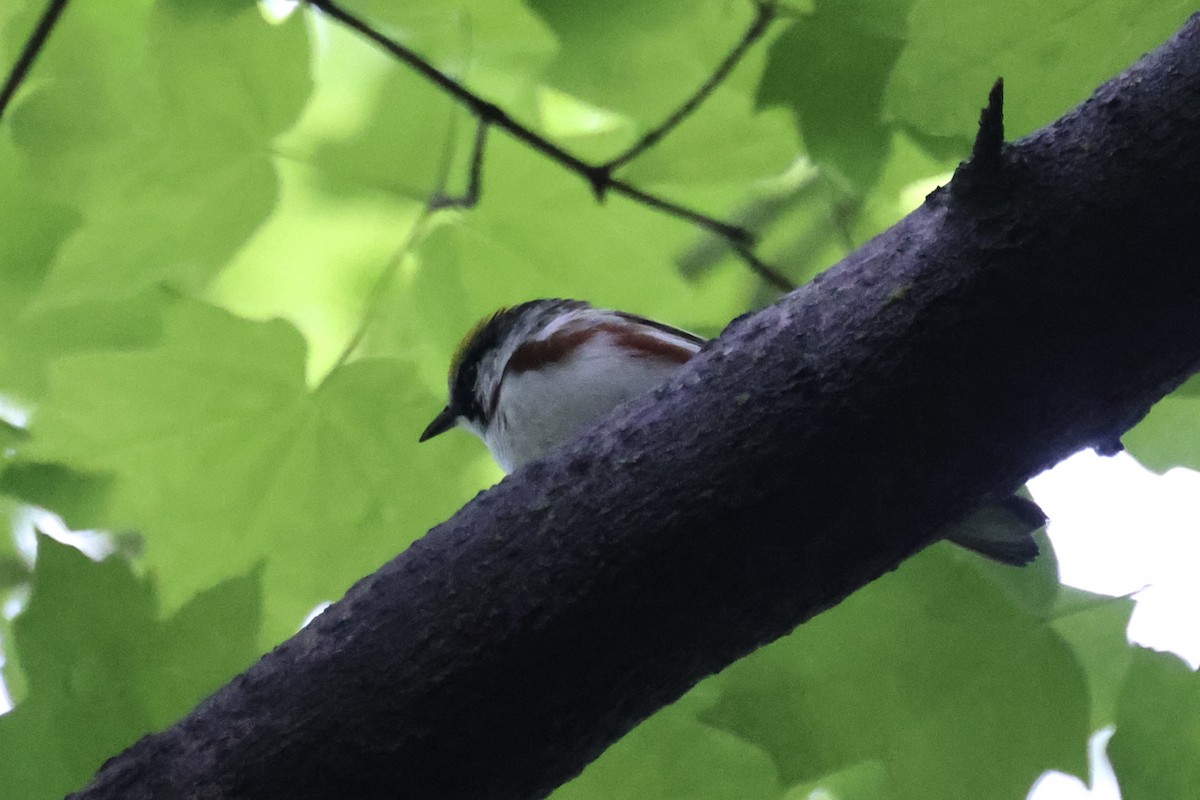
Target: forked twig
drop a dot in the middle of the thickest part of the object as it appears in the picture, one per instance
(470, 197)
(765, 14)
(598, 176)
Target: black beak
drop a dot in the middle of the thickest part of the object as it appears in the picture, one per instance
(441, 423)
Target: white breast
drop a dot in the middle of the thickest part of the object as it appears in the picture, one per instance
(539, 409)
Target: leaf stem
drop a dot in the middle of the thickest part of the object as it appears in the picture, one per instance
(437, 200)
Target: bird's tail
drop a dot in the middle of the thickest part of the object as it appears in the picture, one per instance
(1001, 530)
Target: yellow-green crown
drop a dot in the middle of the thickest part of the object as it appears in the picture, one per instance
(460, 352)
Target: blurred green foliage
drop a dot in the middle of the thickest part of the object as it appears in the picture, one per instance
(1158, 728)
(200, 208)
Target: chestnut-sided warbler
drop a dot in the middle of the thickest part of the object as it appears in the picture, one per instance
(529, 377)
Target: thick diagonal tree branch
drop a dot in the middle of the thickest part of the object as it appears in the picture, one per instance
(1038, 307)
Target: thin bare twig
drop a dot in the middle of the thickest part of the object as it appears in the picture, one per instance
(765, 14)
(470, 197)
(37, 40)
(487, 111)
(598, 176)
(761, 268)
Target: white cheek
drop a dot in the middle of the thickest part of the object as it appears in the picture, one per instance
(496, 443)
(500, 446)
(471, 426)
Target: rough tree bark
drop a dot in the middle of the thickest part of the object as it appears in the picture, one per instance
(1038, 304)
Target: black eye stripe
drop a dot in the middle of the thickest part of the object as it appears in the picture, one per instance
(486, 339)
